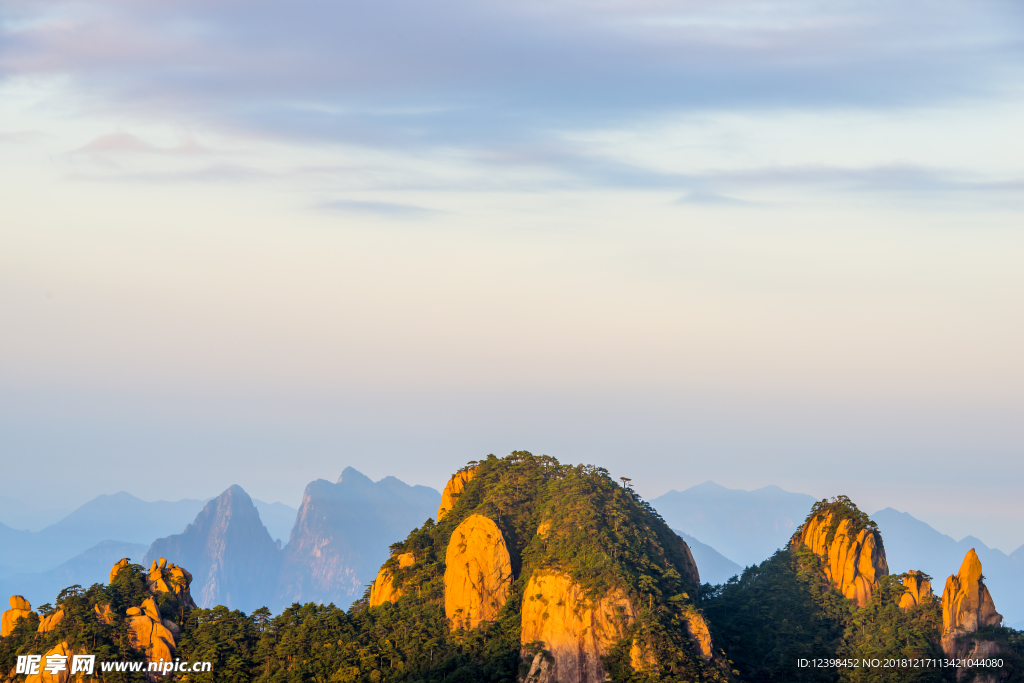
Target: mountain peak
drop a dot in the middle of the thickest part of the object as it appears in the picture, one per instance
(351, 475)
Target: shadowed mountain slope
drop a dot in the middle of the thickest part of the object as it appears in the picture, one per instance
(233, 560)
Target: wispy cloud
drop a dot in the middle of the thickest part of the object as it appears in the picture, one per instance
(475, 73)
(388, 209)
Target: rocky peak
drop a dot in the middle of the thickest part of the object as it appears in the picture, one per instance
(849, 545)
(919, 590)
(341, 536)
(234, 560)
(20, 607)
(452, 489)
(966, 603)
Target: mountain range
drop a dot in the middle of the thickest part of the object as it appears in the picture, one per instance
(245, 553)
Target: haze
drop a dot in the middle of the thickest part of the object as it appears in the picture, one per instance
(754, 242)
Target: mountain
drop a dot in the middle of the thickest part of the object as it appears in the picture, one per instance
(913, 544)
(278, 518)
(118, 517)
(233, 560)
(92, 566)
(744, 526)
(548, 571)
(342, 533)
(714, 567)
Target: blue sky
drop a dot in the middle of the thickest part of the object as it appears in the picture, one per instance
(755, 242)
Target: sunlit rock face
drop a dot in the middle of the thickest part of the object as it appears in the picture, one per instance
(20, 607)
(564, 635)
(383, 588)
(452, 489)
(478, 573)
(919, 591)
(853, 558)
(966, 607)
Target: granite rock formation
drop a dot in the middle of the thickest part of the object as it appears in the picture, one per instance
(919, 590)
(851, 551)
(478, 573)
(564, 635)
(20, 607)
(452, 489)
(966, 607)
(383, 587)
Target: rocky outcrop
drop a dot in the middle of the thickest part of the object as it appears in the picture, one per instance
(452, 489)
(48, 623)
(383, 588)
(689, 568)
(919, 590)
(121, 564)
(147, 632)
(62, 676)
(104, 614)
(167, 577)
(699, 634)
(233, 558)
(478, 573)
(852, 555)
(342, 533)
(20, 607)
(564, 635)
(966, 607)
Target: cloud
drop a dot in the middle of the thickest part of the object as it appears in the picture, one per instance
(388, 209)
(478, 73)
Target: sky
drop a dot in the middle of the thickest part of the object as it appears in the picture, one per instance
(756, 242)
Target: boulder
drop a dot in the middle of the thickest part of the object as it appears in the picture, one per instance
(150, 635)
(478, 573)
(121, 564)
(20, 607)
(564, 634)
(919, 590)
(966, 606)
(452, 490)
(50, 622)
(61, 649)
(853, 559)
(167, 577)
(383, 587)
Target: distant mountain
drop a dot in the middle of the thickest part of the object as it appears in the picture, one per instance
(232, 558)
(713, 566)
(118, 517)
(92, 566)
(744, 526)
(342, 534)
(913, 544)
(278, 518)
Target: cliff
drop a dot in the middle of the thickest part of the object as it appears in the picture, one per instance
(849, 545)
(966, 606)
(565, 633)
(919, 590)
(452, 489)
(20, 608)
(478, 573)
(234, 560)
(342, 533)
